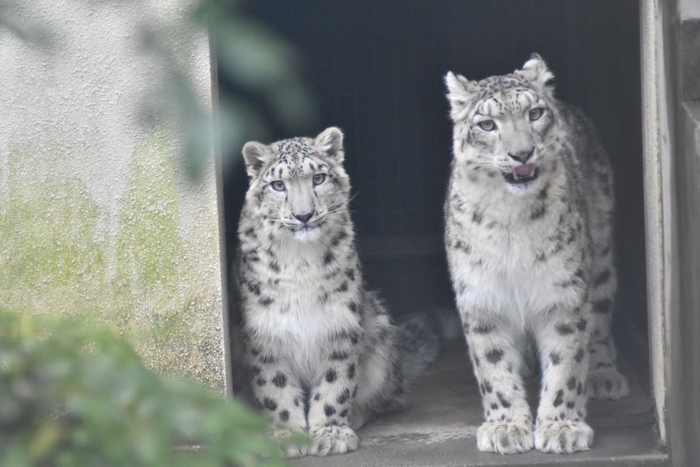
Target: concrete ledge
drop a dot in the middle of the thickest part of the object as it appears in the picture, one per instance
(439, 427)
(615, 446)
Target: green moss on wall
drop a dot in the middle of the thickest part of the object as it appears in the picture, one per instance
(50, 248)
(150, 250)
(60, 253)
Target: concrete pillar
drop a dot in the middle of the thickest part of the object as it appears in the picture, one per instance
(97, 218)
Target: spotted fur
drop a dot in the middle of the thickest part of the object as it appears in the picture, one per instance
(528, 218)
(322, 353)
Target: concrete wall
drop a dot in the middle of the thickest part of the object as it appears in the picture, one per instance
(684, 322)
(97, 218)
(673, 134)
(684, 346)
(656, 181)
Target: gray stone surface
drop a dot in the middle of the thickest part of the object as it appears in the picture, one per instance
(684, 320)
(615, 447)
(439, 427)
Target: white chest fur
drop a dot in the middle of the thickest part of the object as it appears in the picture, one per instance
(501, 271)
(304, 315)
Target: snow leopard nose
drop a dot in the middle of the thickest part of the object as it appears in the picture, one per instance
(304, 218)
(522, 156)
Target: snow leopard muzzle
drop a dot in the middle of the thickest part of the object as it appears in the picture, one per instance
(523, 173)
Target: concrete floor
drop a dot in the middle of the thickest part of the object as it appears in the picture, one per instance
(439, 427)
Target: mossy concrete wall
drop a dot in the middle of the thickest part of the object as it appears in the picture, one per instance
(97, 218)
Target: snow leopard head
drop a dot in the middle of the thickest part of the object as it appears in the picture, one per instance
(299, 185)
(502, 123)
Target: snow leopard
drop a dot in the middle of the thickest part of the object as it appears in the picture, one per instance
(321, 352)
(528, 236)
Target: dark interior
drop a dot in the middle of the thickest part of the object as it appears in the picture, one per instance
(376, 67)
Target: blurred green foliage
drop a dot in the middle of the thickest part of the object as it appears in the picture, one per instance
(73, 396)
(252, 57)
(255, 61)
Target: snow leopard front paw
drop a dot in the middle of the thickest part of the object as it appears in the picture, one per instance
(607, 383)
(327, 440)
(284, 438)
(563, 437)
(505, 437)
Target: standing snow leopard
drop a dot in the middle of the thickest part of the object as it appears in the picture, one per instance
(528, 234)
(322, 354)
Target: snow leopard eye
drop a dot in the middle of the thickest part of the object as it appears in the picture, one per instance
(277, 185)
(319, 178)
(487, 125)
(535, 114)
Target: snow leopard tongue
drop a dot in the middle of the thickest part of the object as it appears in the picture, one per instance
(525, 170)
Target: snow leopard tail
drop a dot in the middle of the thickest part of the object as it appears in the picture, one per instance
(420, 335)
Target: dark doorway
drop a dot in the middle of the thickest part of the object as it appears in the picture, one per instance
(376, 69)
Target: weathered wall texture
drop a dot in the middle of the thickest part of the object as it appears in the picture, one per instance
(97, 218)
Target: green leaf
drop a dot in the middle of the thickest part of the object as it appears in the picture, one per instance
(44, 440)
(252, 55)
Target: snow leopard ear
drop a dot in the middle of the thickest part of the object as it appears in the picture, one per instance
(256, 155)
(460, 92)
(536, 71)
(330, 142)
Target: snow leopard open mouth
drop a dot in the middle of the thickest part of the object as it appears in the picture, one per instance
(524, 173)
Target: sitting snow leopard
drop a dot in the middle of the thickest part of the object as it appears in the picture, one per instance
(529, 215)
(322, 353)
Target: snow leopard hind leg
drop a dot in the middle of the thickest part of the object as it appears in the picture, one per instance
(604, 379)
(381, 382)
(395, 355)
